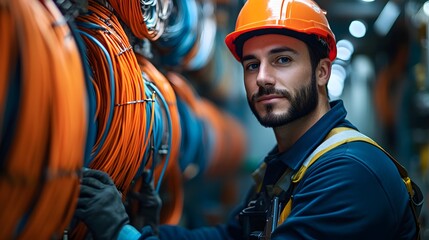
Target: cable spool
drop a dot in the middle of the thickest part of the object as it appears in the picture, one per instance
(229, 144)
(193, 150)
(146, 19)
(179, 36)
(222, 137)
(118, 149)
(215, 127)
(203, 48)
(217, 76)
(191, 138)
(235, 141)
(184, 90)
(121, 100)
(44, 148)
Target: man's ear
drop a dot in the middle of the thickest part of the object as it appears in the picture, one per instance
(323, 71)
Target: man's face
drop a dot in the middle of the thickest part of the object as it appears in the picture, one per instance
(280, 83)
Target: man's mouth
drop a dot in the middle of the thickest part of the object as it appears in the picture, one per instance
(268, 98)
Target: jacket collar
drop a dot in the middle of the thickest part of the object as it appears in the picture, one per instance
(294, 157)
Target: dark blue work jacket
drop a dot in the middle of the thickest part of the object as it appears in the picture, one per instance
(352, 192)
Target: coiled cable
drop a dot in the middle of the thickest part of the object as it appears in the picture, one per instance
(145, 18)
(45, 150)
(121, 152)
(179, 36)
(193, 145)
(172, 210)
(203, 48)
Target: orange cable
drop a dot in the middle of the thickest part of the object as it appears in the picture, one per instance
(8, 48)
(185, 91)
(230, 141)
(48, 146)
(130, 11)
(122, 152)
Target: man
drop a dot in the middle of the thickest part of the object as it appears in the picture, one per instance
(314, 184)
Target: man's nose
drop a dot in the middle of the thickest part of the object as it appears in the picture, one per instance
(265, 75)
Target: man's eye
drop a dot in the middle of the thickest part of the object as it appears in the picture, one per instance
(283, 60)
(252, 66)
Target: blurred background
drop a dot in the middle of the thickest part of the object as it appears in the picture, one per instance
(129, 86)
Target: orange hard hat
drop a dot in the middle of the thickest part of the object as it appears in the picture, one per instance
(302, 16)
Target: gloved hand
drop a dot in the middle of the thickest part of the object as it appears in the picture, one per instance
(100, 205)
(149, 202)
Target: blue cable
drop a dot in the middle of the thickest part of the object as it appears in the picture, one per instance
(169, 133)
(91, 97)
(209, 141)
(180, 34)
(191, 135)
(150, 14)
(148, 134)
(111, 79)
(155, 141)
(202, 154)
(206, 37)
(158, 132)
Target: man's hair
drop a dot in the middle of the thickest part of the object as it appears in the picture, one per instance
(317, 47)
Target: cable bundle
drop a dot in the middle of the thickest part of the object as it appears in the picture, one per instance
(135, 119)
(157, 151)
(173, 204)
(157, 140)
(203, 47)
(194, 147)
(227, 138)
(145, 18)
(121, 110)
(121, 98)
(221, 141)
(180, 35)
(43, 130)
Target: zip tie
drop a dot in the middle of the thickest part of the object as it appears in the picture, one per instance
(126, 49)
(138, 101)
(163, 150)
(134, 102)
(106, 21)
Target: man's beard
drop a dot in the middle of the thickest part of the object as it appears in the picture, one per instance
(302, 103)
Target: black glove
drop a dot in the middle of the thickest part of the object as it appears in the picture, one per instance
(100, 205)
(149, 202)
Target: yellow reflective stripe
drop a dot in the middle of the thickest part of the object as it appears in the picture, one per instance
(409, 186)
(258, 176)
(336, 130)
(298, 176)
(350, 136)
(335, 138)
(285, 212)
